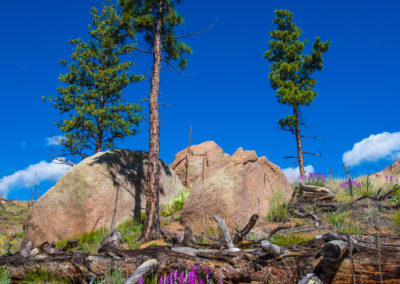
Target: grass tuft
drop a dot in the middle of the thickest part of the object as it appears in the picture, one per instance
(175, 205)
(396, 218)
(5, 277)
(42, 276)
(292, 239)
(278, 210)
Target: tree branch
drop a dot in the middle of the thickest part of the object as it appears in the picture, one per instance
(195, 33)
(314, 154)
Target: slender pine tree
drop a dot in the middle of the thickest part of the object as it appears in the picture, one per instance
(291, 73)
(156, 20)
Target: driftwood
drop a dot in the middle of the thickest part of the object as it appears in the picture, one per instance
(304, 193)
(334, 250)
(226, 234)
(144, 270)
(111, 242)
(241, 234)
(271, 249)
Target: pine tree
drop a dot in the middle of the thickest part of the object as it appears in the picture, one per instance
(291, 73)
(156, 20)
(91, 93)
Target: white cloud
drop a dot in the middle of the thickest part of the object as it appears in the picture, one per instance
(35, 173)
(292, 174)
(55, 140)
(373, 148)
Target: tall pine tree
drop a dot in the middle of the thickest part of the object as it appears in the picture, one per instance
(91, 93)
(156, 20)
(291, 73)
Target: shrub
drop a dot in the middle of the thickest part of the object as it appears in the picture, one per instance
(278, 207)
(175, 205)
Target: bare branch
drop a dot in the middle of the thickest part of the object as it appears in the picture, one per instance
(291, 157)
(195, 33)
(314, 154)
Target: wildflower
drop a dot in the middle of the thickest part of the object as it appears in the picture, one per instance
(140, 279)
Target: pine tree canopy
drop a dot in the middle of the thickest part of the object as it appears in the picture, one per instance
(91, 93)
(142, 15)
(291, 70)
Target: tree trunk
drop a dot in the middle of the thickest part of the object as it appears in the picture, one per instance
(152, 223)
(298, 142)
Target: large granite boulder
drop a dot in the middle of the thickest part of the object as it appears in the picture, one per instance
(234, 187)
(97, 193)
(213, 155)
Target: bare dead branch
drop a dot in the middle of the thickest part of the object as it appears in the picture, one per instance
(196, 33)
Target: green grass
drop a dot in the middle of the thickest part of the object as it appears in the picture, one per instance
(115, 277)
(292, 239)
(278, 210)
(90, 241)
(175, 205)
(131, 230)
(396, 218)
(42, 276)
(343, 222)
(5, 277)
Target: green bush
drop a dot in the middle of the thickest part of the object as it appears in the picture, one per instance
(278, 207)
(175, 205)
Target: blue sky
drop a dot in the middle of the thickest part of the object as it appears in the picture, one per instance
(227, 97)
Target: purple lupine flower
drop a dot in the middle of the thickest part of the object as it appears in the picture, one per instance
(140, 279)
(207, 269)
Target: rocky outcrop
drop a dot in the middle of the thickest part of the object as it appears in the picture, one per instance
(98, 192)
(234, 187)
(208, 151)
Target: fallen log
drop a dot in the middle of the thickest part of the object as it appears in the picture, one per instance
(241, 234)
(304, 192)
(334, 250)
(111, 242)
(226, 234)
(271, 249)
(143, 271)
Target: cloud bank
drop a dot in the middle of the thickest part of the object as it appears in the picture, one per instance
(373, 148)
(292, 174)
(35, 173)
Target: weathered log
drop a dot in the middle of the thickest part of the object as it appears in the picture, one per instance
(305, 192)
(70, 244)
(367, 262)
(271, 249)
(25, 249)
(144, 270)
(310, 278)
(241, 234)
(226, 234)
(334, 250)
(111, 242)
